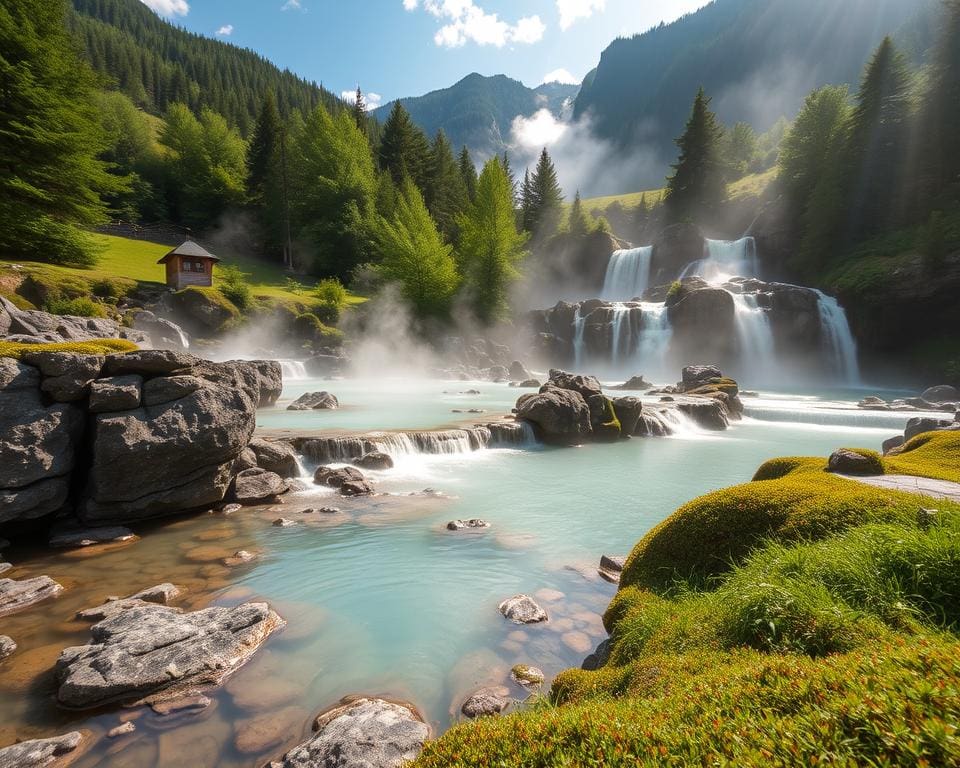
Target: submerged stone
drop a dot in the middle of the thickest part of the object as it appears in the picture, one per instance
(522, 609)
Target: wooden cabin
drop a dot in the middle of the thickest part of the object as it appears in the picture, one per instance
(189, 264)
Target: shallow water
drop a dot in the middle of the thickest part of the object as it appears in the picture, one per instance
(381, 598)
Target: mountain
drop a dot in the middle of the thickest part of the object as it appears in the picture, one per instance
(478, 111)
(758, 59)
(156, 63)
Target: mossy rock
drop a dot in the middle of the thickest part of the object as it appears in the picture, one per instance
(610, 428)
(205, 310)
(17, 350)
(17, 300)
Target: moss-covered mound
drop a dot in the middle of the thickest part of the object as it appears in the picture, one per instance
(834, 642)
(932, 454)
(95, 347)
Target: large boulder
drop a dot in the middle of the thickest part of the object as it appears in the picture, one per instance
(522, 609)
(276, 456)
(204, 311)
(164, 389)
(921, 424)
(847, 462)
(163, 333)
(257, 486)
(628, 410)
(115, 393)
(694, 376)
(42, 326)
(315, 401)
(38, 445)
(17, 595)
(704, 323)
(151, 652)
(361, 733)
(66, 377)
(942, 393)
(560, 416)
(56, 752)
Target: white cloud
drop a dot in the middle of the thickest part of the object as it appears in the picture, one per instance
(293, 5)
(561, 76)
(372, 100)
(226, 29)
(572, 10)
(168, 7)
(466, 22)
(540, 130)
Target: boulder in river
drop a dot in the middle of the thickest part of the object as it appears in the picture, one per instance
(560, 415)
(258, 486)
(56, 752)
(526, 675)
(920, 425)
(72, 536)
(375, 460)
(315, 401)
(634, 384)
(610, 567)
(152, 652)
(334, 478)
(474, 524)
(17, 595)
(942, 393)
(522, 609)
(486, 702)
(7, 646)
(361, 732)
(276, 456)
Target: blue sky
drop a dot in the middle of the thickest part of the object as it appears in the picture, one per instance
(396, 48)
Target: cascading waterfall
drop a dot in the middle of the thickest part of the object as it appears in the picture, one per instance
(622, 332)
(628, 274)
(838, 337)
(579, 328)
(655, 334)
(755, 334)
(293, 370)
(724, 259)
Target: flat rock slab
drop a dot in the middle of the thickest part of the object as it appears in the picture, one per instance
(152, 652)
(923, 486)
(363, 733)
(43, 753)
(88, 537)
(17, 595)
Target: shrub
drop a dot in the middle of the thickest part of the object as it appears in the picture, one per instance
(107, 288)
(675, 291)
(233, 284)
(81, 307)
(17, 350)
(307, 326)
(205, 309)
(331, 292)
(292, 285)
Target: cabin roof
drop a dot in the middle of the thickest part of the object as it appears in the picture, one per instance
(190, 249)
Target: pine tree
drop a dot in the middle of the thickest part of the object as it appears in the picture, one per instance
(526, 202)
(878, 144)
(490, 246)
(578, 223)
(697, 185)
(510, 177)
(360, 111)
(50, 140)
(641, 214)
(266, 181)
(469, 173)
(546, 200)
(404, 150)
(446, 194)
(414, 255)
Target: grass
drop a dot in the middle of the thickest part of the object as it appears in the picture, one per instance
(136, 260)
(97, 347)
(837, 647)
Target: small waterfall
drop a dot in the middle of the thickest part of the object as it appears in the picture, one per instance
(579, 327)
(724, 259)
(621, 328)
(628, 274)
(655, 334)
(293, 370)
(839, 338)
(664, 421)
(757, 349)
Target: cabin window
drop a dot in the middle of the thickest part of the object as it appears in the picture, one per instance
(198, 266)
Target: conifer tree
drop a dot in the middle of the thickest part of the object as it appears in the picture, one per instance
(469, 173)
(404, 150)
(510, 177)
(446, 193)
(50, 139)
(414, 255)
(491, 249)
(546, 200)
(360, 111)
(578, 223)
(697, 186)
(526, 202)
(266, 187)
(641, 214)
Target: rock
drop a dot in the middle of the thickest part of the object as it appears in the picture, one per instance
(334, 478)
(70, 537)
(4, 567)
(628, 411)
(610, 567)
(356, 488)
(149, 362)
(525, 675)
(17, 595)
(461, 525)
(109, 609)
(177, 705)
(560, 415)
(529, 384)
(847, 462)
(229, 509)
(155, 651)
(919, 425)
(361, 733)
(246, 460)
(314, 401)
(161, 594)
(269, 380)
(267, 730)
(122, 730)
(375, 460)
(240, 557)
(942, 393)
(522, 609)
(706, 412)
(166, 389)
(282, 522)
(892, 443)
(43, 327)
(276, 456)
(67, 377)
(117, 393)
(598, 658)
(486, 702)
(43, 753)
(634, 384)
(518, 371)
(587, 386)
(7, 646)
(676, 246)
(255, 486)
(697, 375)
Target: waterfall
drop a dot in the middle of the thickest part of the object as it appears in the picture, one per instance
(628, 274)
(655, 334)
(755, 334)
(724, 259)
(838, 338)
(621, 328)
(293, 370)
(579, 327)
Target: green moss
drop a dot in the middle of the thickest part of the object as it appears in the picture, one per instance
(933, 454)
(80, 307)
(208, 306)
(17, 300)
(17, 350)
(874, 465)
(610, 428)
